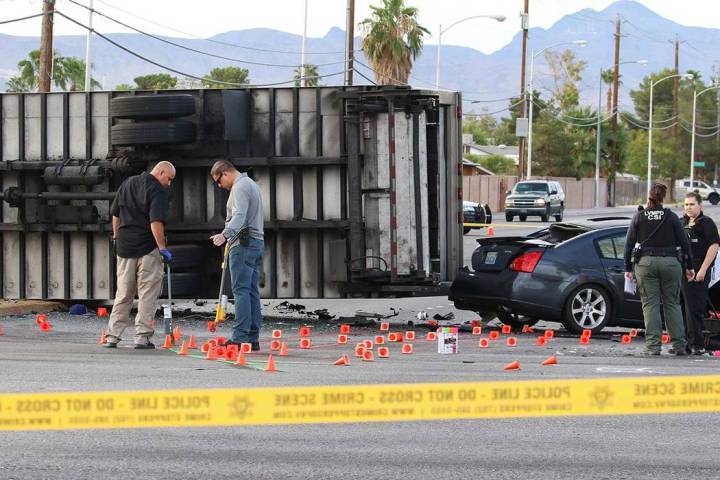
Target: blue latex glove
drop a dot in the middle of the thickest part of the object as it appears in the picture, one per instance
(167, 256)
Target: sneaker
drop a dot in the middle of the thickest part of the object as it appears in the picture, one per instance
(256, 346)
(651, 353)
(698, 351)
(110, 344)
(144, 346)
(680, 353)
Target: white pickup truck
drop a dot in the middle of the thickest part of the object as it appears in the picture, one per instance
(706, 191)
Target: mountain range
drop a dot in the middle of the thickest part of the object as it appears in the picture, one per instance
(480, 76)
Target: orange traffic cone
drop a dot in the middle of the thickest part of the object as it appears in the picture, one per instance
(270, 364)
(102, 312)
(241, 361)
(176, 334)
(584, 340)
(211, 354)
(192, 343)
(283, 349)
(587, 333)
(168, 341)
(183, 348)
(550, 361)
(512, 366)
(343, 360)
(491, 231)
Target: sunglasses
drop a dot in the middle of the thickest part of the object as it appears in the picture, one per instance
(216, 181)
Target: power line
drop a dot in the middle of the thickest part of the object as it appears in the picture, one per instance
(228, 44)
(170, 69)
(703, 135)
(492, 113)
(3, 22)
(169, 42)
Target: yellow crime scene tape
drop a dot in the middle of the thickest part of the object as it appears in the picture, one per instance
(359, 403)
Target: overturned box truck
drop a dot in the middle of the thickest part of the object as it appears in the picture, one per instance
(361, 187)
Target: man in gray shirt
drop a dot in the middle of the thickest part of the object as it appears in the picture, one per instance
(244, 229)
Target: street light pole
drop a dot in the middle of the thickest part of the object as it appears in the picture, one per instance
(88, 81)
(529, 94)
(650, 124)
(303, 81)
(597, 143)
(692, 138)
(497, 18)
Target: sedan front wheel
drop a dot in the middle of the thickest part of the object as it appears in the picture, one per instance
(587, 308)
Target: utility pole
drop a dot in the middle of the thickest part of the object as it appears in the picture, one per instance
(349, 41)
(303, 79)
(614, 153)
(676, 86)
(521, 142)
(46, 47)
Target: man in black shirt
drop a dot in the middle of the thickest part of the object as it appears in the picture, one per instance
(138, 214)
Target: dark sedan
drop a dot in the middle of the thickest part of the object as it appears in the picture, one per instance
(475, 213)
(569, 273)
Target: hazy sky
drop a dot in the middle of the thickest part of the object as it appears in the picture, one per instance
(210, 17)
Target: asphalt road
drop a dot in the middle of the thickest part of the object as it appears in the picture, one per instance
(606, 447)
(69, 359)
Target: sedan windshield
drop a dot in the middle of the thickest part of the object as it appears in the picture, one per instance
(526, 187)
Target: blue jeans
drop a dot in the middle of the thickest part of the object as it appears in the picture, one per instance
(245, 264)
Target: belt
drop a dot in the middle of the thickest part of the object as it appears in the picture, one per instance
(659, 251)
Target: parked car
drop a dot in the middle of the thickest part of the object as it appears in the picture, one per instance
(541, 198)
(706, 191)
(571, 273)
(475, 213)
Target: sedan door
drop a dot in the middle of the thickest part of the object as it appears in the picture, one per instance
(611, 249)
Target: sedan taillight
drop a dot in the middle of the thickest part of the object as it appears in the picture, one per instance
(526, 262)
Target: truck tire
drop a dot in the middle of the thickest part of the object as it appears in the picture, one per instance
(186, 256)
(153, 133)
(184, 284)
(148, 107)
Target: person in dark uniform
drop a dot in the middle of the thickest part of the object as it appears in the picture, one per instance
(704, 241)
(651, 252)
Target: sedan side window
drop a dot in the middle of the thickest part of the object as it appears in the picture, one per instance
(612, 247)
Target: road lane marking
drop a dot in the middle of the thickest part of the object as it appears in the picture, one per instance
(359, 403)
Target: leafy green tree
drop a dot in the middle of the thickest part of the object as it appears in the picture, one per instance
(311, 75)
(482, 128)
(498, 164)
(233, 75)
(124, 87)
(567, 73)
(155, 81)
(392, 38)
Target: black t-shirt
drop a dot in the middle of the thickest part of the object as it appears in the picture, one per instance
(140, 200)
(702, 234)
(669, 233)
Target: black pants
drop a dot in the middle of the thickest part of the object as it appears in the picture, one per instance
(696, 301)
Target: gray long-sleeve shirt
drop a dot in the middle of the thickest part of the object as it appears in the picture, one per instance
(244, 209)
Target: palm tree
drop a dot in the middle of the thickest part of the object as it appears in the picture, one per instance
(392, 38)
(311, 75)
(608, 75)
(73, 75)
